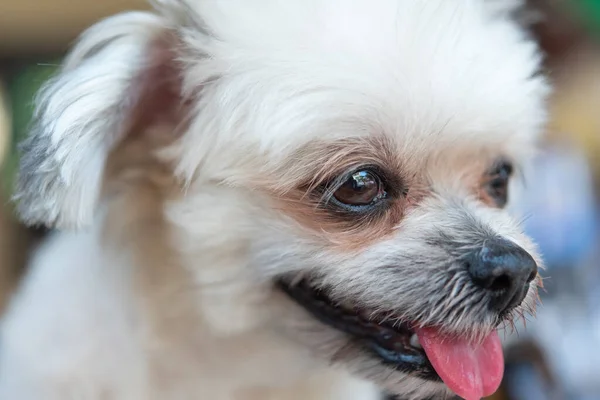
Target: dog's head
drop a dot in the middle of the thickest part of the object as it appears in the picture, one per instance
(345, 168)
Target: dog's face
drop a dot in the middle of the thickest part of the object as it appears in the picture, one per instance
(347, 167)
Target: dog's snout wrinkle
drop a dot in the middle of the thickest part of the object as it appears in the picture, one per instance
(503, 269)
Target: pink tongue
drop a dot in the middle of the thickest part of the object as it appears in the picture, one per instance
(470, 370)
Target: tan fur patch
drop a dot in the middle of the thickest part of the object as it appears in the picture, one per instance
(303, 196)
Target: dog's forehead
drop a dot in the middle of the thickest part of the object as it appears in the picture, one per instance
(425, 73)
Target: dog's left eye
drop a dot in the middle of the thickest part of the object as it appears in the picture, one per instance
(362, 188)
(497, 186)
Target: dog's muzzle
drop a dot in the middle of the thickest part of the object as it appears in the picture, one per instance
(499, 270)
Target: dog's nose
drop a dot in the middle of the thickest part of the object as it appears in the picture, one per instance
(505, 270)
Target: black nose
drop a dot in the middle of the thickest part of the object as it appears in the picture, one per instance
(505, 270)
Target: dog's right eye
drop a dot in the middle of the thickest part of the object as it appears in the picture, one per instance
(362, 188)
(497, 187)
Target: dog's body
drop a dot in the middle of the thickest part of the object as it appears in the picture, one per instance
(134, 351)
(191, 147)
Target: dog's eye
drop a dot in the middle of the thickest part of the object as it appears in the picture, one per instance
(497, 186)
(361, 188)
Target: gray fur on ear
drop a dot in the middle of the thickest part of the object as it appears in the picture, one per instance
(516, 9)
(81, 114)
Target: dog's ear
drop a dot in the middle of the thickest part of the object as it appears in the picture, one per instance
(120, 68)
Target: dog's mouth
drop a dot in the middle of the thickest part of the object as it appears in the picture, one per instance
(471, 370)
(396, 344)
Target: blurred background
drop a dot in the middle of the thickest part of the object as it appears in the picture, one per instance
(558, 355)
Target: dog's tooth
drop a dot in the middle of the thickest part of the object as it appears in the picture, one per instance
(414, 341)
(386, 334)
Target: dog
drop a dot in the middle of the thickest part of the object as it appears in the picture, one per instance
(301, 199)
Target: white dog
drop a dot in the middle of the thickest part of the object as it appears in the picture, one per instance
(299, 199)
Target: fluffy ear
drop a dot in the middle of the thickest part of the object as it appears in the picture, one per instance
(120, 69)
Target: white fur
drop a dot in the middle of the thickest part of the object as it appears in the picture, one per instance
(165, 292)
